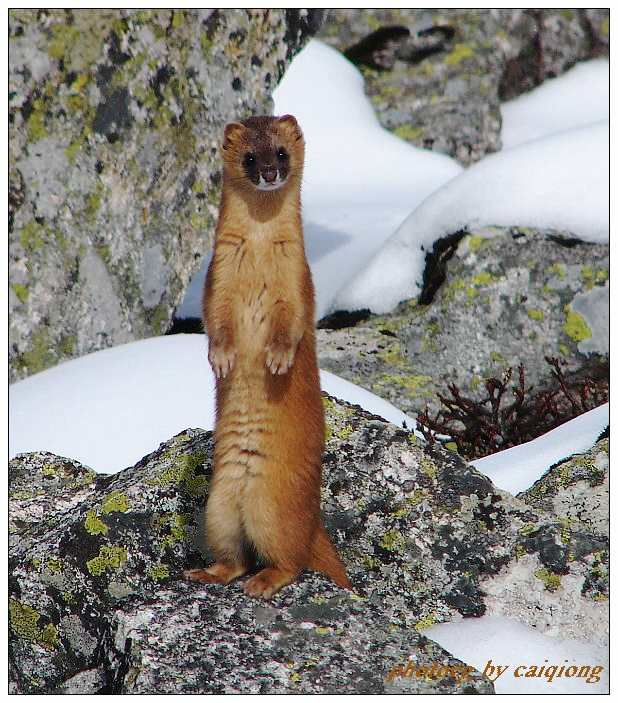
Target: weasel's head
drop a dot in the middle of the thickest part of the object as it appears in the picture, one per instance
(264, 153)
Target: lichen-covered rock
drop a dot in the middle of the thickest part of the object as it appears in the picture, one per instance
(576, 491)
(510, 296)
(114, 127)
(576, 494)
(97, 603)
(449, 100)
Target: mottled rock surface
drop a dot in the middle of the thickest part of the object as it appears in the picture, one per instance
(449, 101)
(576, 493)
(510, 296)
(115, 119)
(97, 603)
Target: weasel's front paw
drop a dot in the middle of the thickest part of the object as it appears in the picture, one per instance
(221, 357)
(280, 356)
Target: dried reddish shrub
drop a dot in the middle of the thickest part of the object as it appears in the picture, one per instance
(508, 416)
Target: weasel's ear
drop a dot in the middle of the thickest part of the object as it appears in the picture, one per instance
(289, 124)
(233, 131)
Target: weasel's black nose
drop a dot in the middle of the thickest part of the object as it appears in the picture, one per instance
(269, 174)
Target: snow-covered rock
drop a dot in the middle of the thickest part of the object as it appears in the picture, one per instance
(507, 296)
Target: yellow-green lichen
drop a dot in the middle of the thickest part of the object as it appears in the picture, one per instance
(22, 495)
(183, 473)
(428, 467)
(49, 636)
(415, 385)
(460, 53)
(67, 344)
(565, 530)
(323, 630)
(557, 270)
(535, 314)
(35, 127)
(528, 529)
(563, 349)
(402, 512)
(109, 558)
(426, 622)
(20, 291)
(160, 318)
(575, 326)
(32, 236)
(24, 622)
(592, 277)
(54, 565)
(328, 432)
(392, 541)
(416, 497)
(345, 432)
(93, 202)
(475, 242)
(393, 356)
(159, 572)
(408, 132)
(116, 502)
(371, 563)
(455, 286)
(551, 580)
(94, 525)
(451, 446)
(39, 356)
(484, 279)
(80, 83)
(475, 382)
(496, 358)
(62, 38)
(176, 522)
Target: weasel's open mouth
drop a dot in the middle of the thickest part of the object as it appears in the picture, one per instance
(266, 185)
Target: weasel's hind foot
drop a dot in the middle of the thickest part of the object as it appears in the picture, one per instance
(217, 573)
(268, 581)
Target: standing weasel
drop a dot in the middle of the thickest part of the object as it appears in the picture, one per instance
(258, 311)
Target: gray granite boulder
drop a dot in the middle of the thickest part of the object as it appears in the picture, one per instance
(115, 118)
(448, 98)
(510, 296)
(97, 603)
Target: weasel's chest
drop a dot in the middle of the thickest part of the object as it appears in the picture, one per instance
(259, 282)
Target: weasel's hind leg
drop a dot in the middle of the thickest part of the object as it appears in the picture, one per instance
(324, 558)
(268, 581)
(225, 537)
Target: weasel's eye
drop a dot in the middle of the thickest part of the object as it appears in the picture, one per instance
(282, 154)
(249, 159)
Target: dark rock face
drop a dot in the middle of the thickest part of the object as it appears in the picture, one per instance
(440, 85)
(97, 604)
(115, 118)
(509, 296)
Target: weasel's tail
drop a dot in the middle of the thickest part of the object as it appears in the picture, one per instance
(324, 558)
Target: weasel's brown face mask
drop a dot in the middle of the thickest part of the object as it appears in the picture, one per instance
(264, 152)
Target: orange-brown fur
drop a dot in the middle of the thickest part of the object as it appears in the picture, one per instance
(258, 311)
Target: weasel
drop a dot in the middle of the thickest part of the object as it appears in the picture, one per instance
(258, 312)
